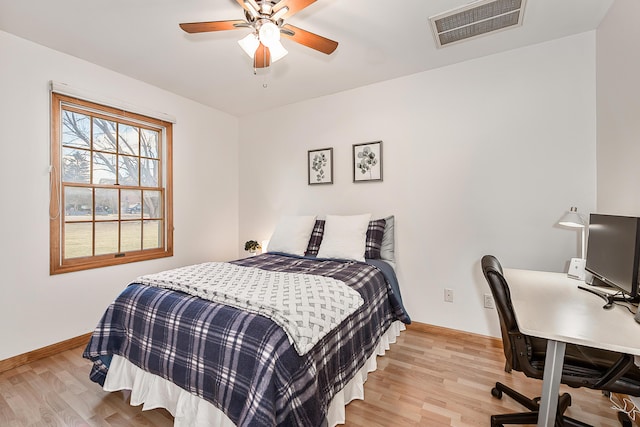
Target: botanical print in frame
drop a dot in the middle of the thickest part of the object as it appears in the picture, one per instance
(320, 166)
(367, 162)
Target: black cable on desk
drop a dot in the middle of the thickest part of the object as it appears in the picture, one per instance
(607, 297)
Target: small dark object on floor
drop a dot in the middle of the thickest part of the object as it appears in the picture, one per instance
(624, 419)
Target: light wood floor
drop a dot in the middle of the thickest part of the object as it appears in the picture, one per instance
(430, 377)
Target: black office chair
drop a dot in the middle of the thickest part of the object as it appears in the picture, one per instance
(583, 366)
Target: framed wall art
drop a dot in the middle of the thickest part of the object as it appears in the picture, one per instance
(320, 166)
(367, 162)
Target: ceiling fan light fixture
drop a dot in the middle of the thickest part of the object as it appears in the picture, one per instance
(249, 44)
(277, 51)
(269, 34)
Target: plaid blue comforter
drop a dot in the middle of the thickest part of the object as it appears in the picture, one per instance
(241, 362)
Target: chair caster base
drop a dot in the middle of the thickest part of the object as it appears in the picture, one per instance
(496, 393)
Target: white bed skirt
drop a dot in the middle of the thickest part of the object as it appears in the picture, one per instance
(188, 410)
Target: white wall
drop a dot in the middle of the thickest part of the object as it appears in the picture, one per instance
(36, 309)
(480, 157)
(618, 68)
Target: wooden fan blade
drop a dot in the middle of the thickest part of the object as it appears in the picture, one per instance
(262, 58)
(241, 3)
(294, 6)
(205, 27)
(314, 41)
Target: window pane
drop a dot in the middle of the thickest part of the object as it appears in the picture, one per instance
(152, 234)
(106, 238)
(76, 165)
(152, 204)
(128, 170)
(76, 129)
(78, 240)
(106, 204)
(78, 204)
(149, 143)
(130, 202)
(149, 173)
(104, 135)
(131, 235)
(128, 140)
(104, 168)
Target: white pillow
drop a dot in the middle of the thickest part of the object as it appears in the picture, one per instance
(291, 235)
(344, 237)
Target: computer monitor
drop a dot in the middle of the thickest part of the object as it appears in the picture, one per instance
(613, 251)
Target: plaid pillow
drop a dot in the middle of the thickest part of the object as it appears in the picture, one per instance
(375, 232)
(316, 238)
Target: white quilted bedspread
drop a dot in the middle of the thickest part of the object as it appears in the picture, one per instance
(306, 306)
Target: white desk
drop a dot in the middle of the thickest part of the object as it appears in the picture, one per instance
(550, 305)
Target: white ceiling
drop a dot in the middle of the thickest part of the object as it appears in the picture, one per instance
(379, 40)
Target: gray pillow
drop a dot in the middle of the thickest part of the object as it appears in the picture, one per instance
(387, 250)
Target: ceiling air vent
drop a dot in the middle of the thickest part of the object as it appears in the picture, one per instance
(476, 19)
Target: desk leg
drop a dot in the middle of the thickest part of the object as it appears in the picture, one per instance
(551, 383)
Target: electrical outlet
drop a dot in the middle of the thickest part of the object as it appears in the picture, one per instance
(488, 301)
(448, 295)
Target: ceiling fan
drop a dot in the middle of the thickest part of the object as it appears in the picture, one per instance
(266, 19)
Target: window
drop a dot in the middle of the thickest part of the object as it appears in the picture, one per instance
(111, 193)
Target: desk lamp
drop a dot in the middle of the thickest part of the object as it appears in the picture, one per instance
(573, 219)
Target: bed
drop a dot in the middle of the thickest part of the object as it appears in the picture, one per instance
(231, 363)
